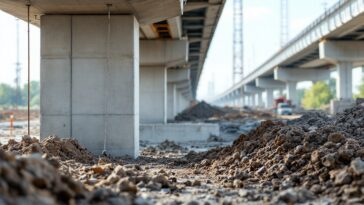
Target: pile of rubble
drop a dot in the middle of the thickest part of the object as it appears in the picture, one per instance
(34, 180)
(60, 171)
(64, 149)
(317, 155)
(200, 111)
(166, 148)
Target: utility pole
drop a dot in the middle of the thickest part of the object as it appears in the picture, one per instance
(17, 67)
(284, 22)
(238, 41)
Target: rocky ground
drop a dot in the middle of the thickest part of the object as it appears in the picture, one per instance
(312, 160)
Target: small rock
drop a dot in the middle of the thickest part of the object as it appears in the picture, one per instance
(342, 177)
(357, 165)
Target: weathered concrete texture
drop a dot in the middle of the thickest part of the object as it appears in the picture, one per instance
(344, 86)
(86, 94)
(171, 101)
(147, 11)
(292, 92)
(153, 94)
(163, 52)
(178, 132)
(269, 98)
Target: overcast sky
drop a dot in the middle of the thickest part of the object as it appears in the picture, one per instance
(261, 39)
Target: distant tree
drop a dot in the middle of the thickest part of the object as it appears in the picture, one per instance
(361, 90)
(317, 96)
(34, 93)
(7, 95)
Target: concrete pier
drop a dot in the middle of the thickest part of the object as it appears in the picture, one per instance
(153, 94)
(90, 87)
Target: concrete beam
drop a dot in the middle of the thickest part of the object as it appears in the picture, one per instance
(300, 74)
(178, 75)
(342, 51)
(168, 53)
(252, 89)
(146, 11)
(175, 27)
(269, 83)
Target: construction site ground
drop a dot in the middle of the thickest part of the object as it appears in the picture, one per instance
(258, 159)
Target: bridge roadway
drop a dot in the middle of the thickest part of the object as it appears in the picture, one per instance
(332, 42)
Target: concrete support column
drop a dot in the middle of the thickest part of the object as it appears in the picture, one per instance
(241, 97)
(155, 57)
(153, 94)
(171, 101)
(260, 99)
(344, 80)
(90, 83)
(269, 98)
(254, 101)
(292, 92)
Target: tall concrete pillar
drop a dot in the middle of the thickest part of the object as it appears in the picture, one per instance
(292, 92)
(90, 82)
(153, 94)
(155, 57)
(254, 101)
(269, 98)
(344, 80)
(260, 99)
(171, 101)
(241, 97)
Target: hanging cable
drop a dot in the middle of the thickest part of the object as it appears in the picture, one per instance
(106, 76)
(28, 22)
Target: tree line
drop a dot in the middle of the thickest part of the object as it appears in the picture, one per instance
(10, 96)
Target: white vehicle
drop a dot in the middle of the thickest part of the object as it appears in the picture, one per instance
(284, 109)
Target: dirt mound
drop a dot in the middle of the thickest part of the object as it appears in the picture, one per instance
(64, 149)
(33, 180)
(312, 118)
(322, 155)
(200, 111)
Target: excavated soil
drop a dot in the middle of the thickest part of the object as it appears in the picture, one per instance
(315, 160)
(200, 111)
(314, 156)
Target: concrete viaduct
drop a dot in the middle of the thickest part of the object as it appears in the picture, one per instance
(333, 41)
(102, 76)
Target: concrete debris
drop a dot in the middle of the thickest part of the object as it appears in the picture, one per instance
(316, 153)
(33, 180)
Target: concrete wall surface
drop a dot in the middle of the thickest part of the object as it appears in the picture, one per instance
(153, 94)
(89, 85)
(178, 132)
